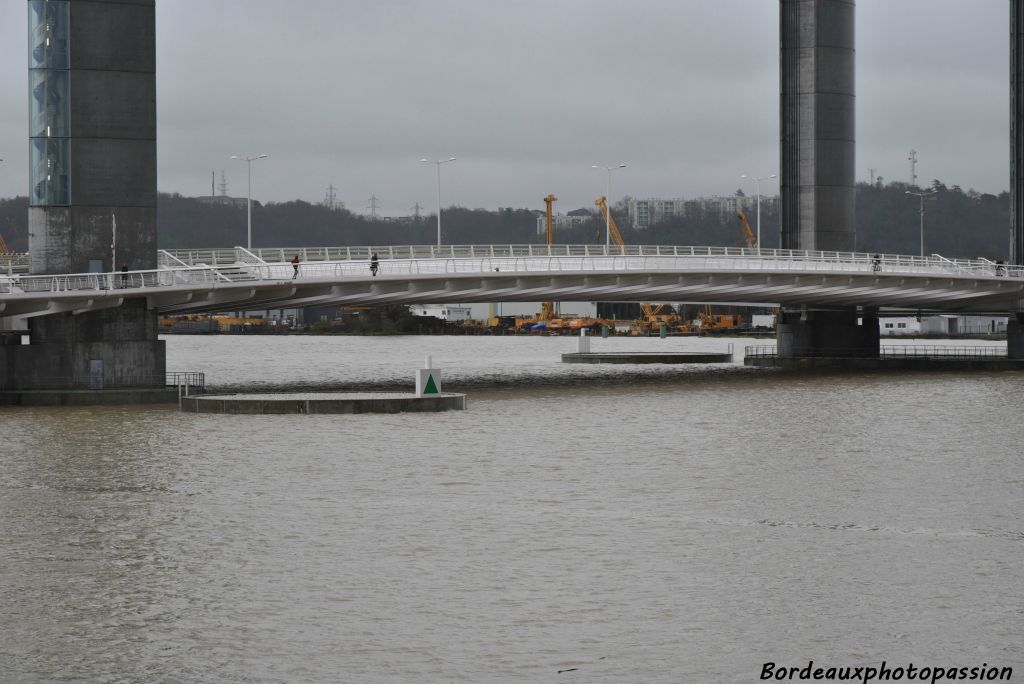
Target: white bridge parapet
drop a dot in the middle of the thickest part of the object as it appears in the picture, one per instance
(220, 279)
(744, 257)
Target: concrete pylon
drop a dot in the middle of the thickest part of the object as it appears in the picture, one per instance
(1016, 132)
(1015, 326)
(92, 192)
(816, 179)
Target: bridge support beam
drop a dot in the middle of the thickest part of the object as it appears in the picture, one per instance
(827, 334)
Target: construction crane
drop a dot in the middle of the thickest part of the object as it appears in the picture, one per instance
(748, 234)
(3, 246)
(654, 317)
(549, 201)
(710, 322)
(547, 309)
(606, 214)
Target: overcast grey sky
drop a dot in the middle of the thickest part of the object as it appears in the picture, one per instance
(528, 94)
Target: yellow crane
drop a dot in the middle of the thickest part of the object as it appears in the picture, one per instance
(652, 315)
(748, 234)
(655, 316)
(547, 309)
(710, 321)
(549, 202)
(3, 246)
(606, 214)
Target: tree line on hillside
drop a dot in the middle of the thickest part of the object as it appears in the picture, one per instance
(958, 224)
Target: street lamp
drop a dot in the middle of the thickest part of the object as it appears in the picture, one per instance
(922, 195)
(248, 223)
(438, 162)
(608, 199)
(757, 180)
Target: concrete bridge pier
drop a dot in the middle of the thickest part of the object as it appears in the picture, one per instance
(1015, 336)
(809, 333)
(114, 348)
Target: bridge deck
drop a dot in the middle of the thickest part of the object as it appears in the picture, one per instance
(219, 279)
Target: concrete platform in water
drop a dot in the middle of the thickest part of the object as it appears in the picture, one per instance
(324, 402)
(647, 357)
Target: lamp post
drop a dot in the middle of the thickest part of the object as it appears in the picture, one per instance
(248, 222)
(757, 180)
(921, 196)
(438, 163)
(608, 199)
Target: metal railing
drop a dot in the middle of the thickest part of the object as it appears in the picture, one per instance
(226, 266)
(942, 351)
(98, 282)
(187, 379)
(862, 261)
(12, 263)
(892, 352)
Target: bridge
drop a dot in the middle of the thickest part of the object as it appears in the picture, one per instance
(96, 210)
(207, 280)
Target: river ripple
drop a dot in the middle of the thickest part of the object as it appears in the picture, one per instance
(628, 523)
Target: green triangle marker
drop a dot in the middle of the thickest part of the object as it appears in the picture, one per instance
(431, 388)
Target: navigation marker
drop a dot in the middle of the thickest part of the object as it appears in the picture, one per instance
(428, 380)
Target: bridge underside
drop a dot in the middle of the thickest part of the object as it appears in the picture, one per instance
(803, 289)
(902, 293)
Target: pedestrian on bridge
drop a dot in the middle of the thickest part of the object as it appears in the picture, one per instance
(295, 266)
(374, 264)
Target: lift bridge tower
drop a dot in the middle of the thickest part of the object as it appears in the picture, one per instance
(92, 190)
(817, 154)
(1015, 327)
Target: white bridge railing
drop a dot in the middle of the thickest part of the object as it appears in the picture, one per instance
(213, 257)
(222, 267)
